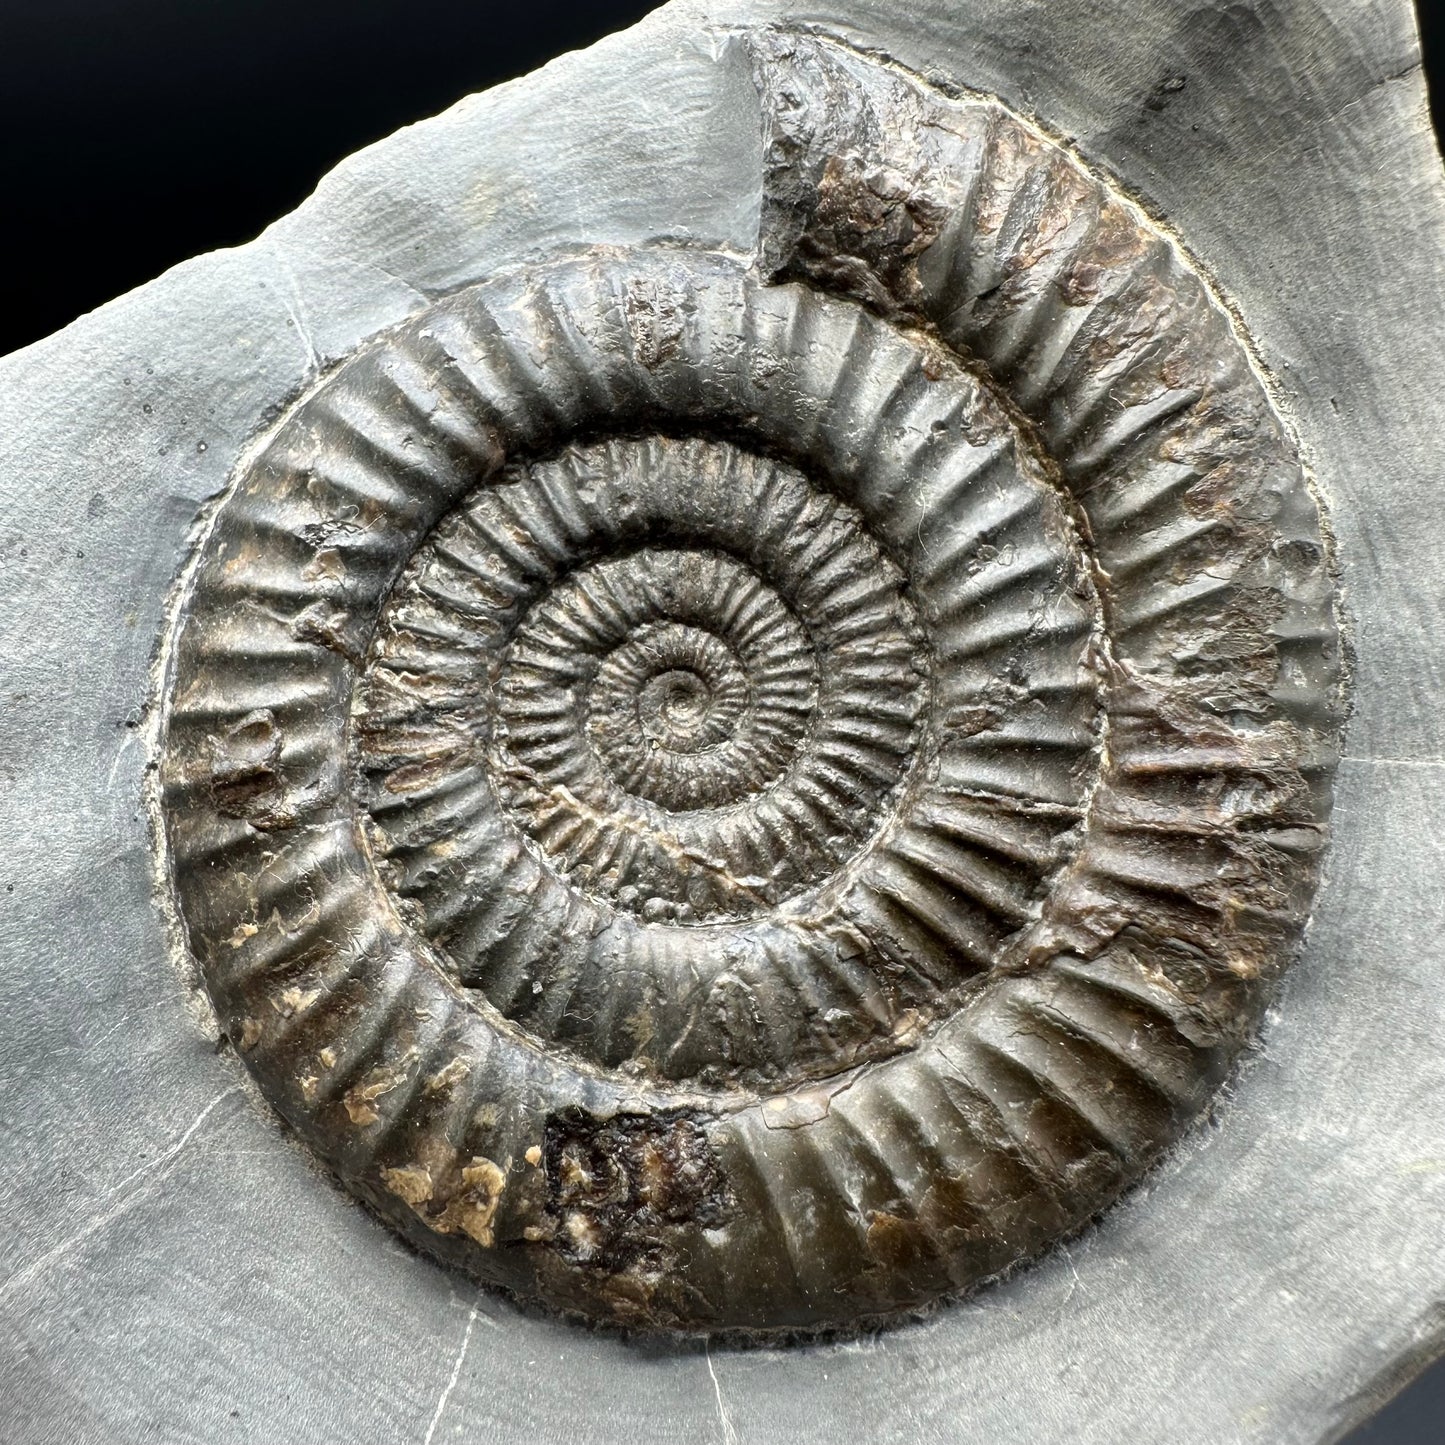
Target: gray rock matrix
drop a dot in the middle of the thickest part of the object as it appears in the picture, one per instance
(623, 214)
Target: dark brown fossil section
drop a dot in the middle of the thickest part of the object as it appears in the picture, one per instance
(750, 796)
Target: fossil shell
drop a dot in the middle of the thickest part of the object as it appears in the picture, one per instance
(751, 793)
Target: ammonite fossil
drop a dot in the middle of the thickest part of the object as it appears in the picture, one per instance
(751, 792)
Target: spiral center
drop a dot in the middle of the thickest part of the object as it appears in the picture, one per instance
(672, 686)
(674, 708)
(677, 726)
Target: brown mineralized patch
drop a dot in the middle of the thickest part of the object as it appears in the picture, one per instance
(626, 1200)
(869, 215)
(617, 1188)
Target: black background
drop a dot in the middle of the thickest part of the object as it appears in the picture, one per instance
(135, 133)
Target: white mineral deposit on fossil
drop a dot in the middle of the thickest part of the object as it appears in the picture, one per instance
(751, 793)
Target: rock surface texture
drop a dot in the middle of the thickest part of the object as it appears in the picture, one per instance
(721, 675)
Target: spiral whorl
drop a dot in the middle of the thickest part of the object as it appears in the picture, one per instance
(691, 692)
(747, 794)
